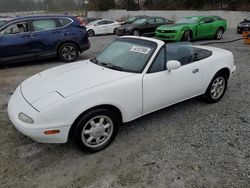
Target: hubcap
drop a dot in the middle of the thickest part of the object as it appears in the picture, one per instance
(97, 131)
(217, 87)
(219, 34)
(136, 33)
(69, 52)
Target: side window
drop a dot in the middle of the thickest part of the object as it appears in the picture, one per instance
(16, 28)
(182, 53)
(151, 21)
(109, 22)
(64, 21)
(159, 63)
(207, 20)
(41, 25)
(103, 22)
(159, 21)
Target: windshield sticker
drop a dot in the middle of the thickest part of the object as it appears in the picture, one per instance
(140, 49)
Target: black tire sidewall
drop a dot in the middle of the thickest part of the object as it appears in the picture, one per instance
(186, 35)
(216, 35)
(207, 95)
(60, 52)
(137, 32)
(91, 33)
(77, 131)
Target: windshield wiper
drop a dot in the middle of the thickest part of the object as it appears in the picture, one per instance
(94, 60)
(111, 66)
(108, 65)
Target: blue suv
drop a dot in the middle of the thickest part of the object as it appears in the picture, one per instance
(36, 37)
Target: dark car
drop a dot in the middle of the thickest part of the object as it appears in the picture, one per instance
(36, 37)
(142, 26)
(244, 25)
(134, 18)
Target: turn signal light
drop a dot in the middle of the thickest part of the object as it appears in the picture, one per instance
(51, 132)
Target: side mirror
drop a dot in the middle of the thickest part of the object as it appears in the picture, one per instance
(173, 65)
(245, 20)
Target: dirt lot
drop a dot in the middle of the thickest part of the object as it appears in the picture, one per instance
(191, 144)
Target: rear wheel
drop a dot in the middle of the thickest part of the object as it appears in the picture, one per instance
(136, 33)
(187, 36)
(68, 52)
(219, 34)
(216, 88)
(96, 130)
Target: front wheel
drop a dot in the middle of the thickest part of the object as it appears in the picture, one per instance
(68, 52)
(187, 36)
(96, 130)
(91, 33)
(216, 88)
(219, 34)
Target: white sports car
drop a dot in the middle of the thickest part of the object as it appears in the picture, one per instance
(134, 76)
(102, 27)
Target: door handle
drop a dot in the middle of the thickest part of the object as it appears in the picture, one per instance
(195, 71)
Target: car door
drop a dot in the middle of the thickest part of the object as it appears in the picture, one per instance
(149, 26)
(15, 41)
(110, 26)
(162, 88)
(45, 36)
(205, 27)
(99, 27)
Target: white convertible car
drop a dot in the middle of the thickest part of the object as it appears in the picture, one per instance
(134, 76)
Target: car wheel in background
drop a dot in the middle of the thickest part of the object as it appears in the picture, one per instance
(136, 33)
(96, 130)
(219, 34)
(187, 36)
(68, 52)
(216, 88)
(115, 31)
(91, 33)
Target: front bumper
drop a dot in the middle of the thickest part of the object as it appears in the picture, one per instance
(18, 104)
(168, 36)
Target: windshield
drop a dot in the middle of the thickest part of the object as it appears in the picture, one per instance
(140, 21)
(2, 22)
(131, 20)
(187, 20)
(126, 54)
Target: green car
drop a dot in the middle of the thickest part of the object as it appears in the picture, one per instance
(192, 28)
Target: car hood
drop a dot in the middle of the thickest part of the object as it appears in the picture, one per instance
(69, 79)
(173, 26)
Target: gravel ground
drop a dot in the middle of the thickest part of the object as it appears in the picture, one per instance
(191, 144)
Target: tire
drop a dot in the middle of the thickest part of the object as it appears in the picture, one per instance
(136, 33)
(187, 36)
(216, 88)
(219, 34)
(115, 31)
(90, 133)
(91, 33)
(68, 52)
